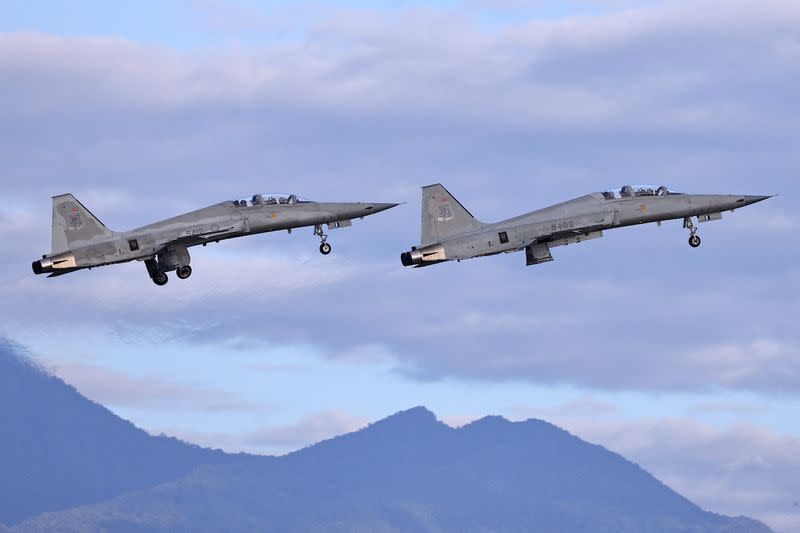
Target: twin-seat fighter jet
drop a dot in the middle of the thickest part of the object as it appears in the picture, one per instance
(81, 241)
(450, 232)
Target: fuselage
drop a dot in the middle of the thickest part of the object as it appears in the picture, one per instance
(225, 220)
(579, 219)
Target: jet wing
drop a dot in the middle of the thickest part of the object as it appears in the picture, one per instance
(571, 228)
(202, 234)
(564, 231)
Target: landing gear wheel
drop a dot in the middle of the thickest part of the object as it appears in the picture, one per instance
(160, 279)
(184, 272)
(324, 247)
(694, 241)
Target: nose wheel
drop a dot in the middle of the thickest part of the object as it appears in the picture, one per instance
(694, 238)
(324, 247)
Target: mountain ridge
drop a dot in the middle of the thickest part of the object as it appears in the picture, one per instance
(406, 472)
(50, 457)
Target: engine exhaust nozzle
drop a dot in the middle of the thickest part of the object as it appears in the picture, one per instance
(417, 256)
(49, 264)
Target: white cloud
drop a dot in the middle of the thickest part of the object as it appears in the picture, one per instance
(308, 430)
(373, 102)
(697, 95)
(120, 389)
(739, 469)
(584, 406)
(434, 62)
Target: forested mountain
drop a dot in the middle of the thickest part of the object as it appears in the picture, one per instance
(59, 450)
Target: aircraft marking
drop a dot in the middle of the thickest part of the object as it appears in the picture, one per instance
(566, 224)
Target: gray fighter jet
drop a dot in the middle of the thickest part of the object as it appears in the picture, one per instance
(450, 232)
(81, 241)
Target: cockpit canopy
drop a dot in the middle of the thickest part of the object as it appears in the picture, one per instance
(271, 199)
(631, 191)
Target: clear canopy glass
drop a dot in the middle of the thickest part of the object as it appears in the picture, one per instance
(271, 199)
(631, 191)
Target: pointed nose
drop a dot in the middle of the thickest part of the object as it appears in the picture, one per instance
(377, 208)
(750, 200)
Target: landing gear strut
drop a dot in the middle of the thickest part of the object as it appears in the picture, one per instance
(324, 247)
(694, 238)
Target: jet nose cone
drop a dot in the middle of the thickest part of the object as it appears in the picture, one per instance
(376, 208)
(749, 200)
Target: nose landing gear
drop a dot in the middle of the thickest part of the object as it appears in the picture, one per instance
(694, 238)
(324, 247)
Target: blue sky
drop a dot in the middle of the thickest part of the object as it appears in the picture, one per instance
(188, 24)
(145, 110)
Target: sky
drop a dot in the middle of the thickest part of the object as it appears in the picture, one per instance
(685, 361)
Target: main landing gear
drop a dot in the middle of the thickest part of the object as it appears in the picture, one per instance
(324, 247)
(160, 277)
(694, 238)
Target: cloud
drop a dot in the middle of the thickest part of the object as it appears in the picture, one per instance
(727, 407)
(762, 363)
(739, 469)
(120, 389)
(308, 430)
(427, 327)
(584, 406)
(273, 438)
(578, 71)
(368, 103)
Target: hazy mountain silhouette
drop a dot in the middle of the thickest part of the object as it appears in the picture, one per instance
(406, 473)
(59, 449)
(410, 472)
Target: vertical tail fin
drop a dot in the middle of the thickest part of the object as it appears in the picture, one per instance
(443, 216)
(74, 224)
